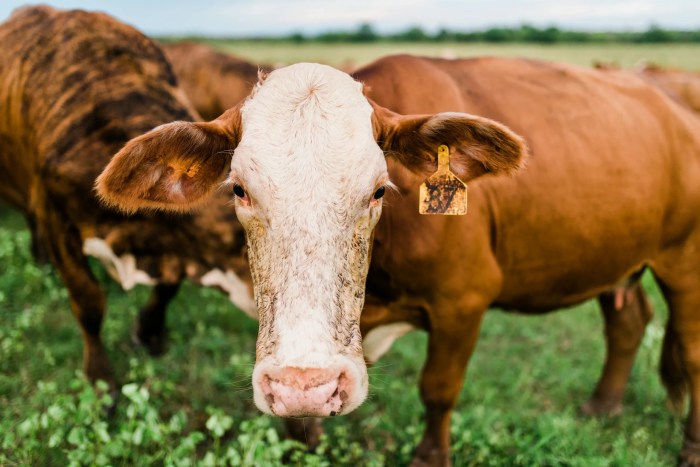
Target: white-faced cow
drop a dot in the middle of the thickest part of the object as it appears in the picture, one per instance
(613, 186)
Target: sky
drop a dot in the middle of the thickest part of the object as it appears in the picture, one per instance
(282, 17)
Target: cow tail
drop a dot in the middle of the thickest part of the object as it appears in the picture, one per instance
(674, 375)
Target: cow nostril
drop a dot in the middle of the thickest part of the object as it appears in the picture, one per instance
(291, 391)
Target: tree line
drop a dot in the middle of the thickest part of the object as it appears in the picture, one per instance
(524, 33)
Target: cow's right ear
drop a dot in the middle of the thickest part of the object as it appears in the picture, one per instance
(172, 167)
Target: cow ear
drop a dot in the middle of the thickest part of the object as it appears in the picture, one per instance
(477, 145)
(172, 167)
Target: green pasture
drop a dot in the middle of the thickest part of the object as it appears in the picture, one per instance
(193, 406)
(355, 55)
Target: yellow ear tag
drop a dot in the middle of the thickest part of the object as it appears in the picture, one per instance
(443, 193)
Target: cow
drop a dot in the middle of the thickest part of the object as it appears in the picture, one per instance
(213, 81)
(75, 86)
(681, 85)
(325, 181)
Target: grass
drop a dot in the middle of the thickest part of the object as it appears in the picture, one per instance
(193, 406)
(355, 55)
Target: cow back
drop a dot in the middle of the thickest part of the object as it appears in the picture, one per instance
(74, 87)
(614, 161)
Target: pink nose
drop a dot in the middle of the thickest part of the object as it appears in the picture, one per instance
(305, 392)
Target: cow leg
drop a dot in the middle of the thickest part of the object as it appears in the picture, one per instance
(680, 364)
(37, 245)
(86, 298)
(305, 430)
(677, 271)
(450, 344)
(150, 330)
(626, 312)
(381, 324)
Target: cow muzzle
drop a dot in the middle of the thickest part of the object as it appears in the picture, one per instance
(289, 391)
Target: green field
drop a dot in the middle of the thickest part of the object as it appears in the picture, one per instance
(193, 406)
(519, 405)
(355, 55)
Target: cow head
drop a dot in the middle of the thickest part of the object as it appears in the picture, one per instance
(306, 177)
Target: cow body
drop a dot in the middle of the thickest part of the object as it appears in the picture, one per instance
(213, 81)
(681, 85)
(684, 86)
(526, 225)
(611, 187)
(74, 87)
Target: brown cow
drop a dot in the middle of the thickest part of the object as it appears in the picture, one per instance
(74, 87)
(681, 85)
(213, 81)
(612, 186)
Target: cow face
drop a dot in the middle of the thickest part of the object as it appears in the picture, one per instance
(306, 179)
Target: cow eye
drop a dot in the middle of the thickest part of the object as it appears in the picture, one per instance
(238, 191)
(379, 193)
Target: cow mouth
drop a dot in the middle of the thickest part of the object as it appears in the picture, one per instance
(287, 397)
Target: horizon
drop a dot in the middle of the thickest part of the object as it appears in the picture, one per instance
(276, 18)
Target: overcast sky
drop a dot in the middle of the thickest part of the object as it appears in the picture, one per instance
(278, 17)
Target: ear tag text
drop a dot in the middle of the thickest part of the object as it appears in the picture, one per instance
(443, 193)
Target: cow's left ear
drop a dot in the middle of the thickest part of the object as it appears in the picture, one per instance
(477, 145)
(173, 167)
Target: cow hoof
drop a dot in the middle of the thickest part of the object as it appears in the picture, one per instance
(689, 461)
(419, 462)
(111, 409)
(690, 454)
(155, 344)
(112, 388)
(431, 458)
(599, 408)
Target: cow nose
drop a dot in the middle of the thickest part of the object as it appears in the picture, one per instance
(305, 392)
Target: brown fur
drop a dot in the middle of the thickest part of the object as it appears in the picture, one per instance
(74, 88)
(213, 81)
(672, 370)
(681, 85)
(190, 158)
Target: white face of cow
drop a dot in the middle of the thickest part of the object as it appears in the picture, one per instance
(305, 174)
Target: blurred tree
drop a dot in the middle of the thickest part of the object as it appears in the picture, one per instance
(444, 35)
(413, 34)
(297, 38)
(365, 33)
(498, 35)
(655, 34)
